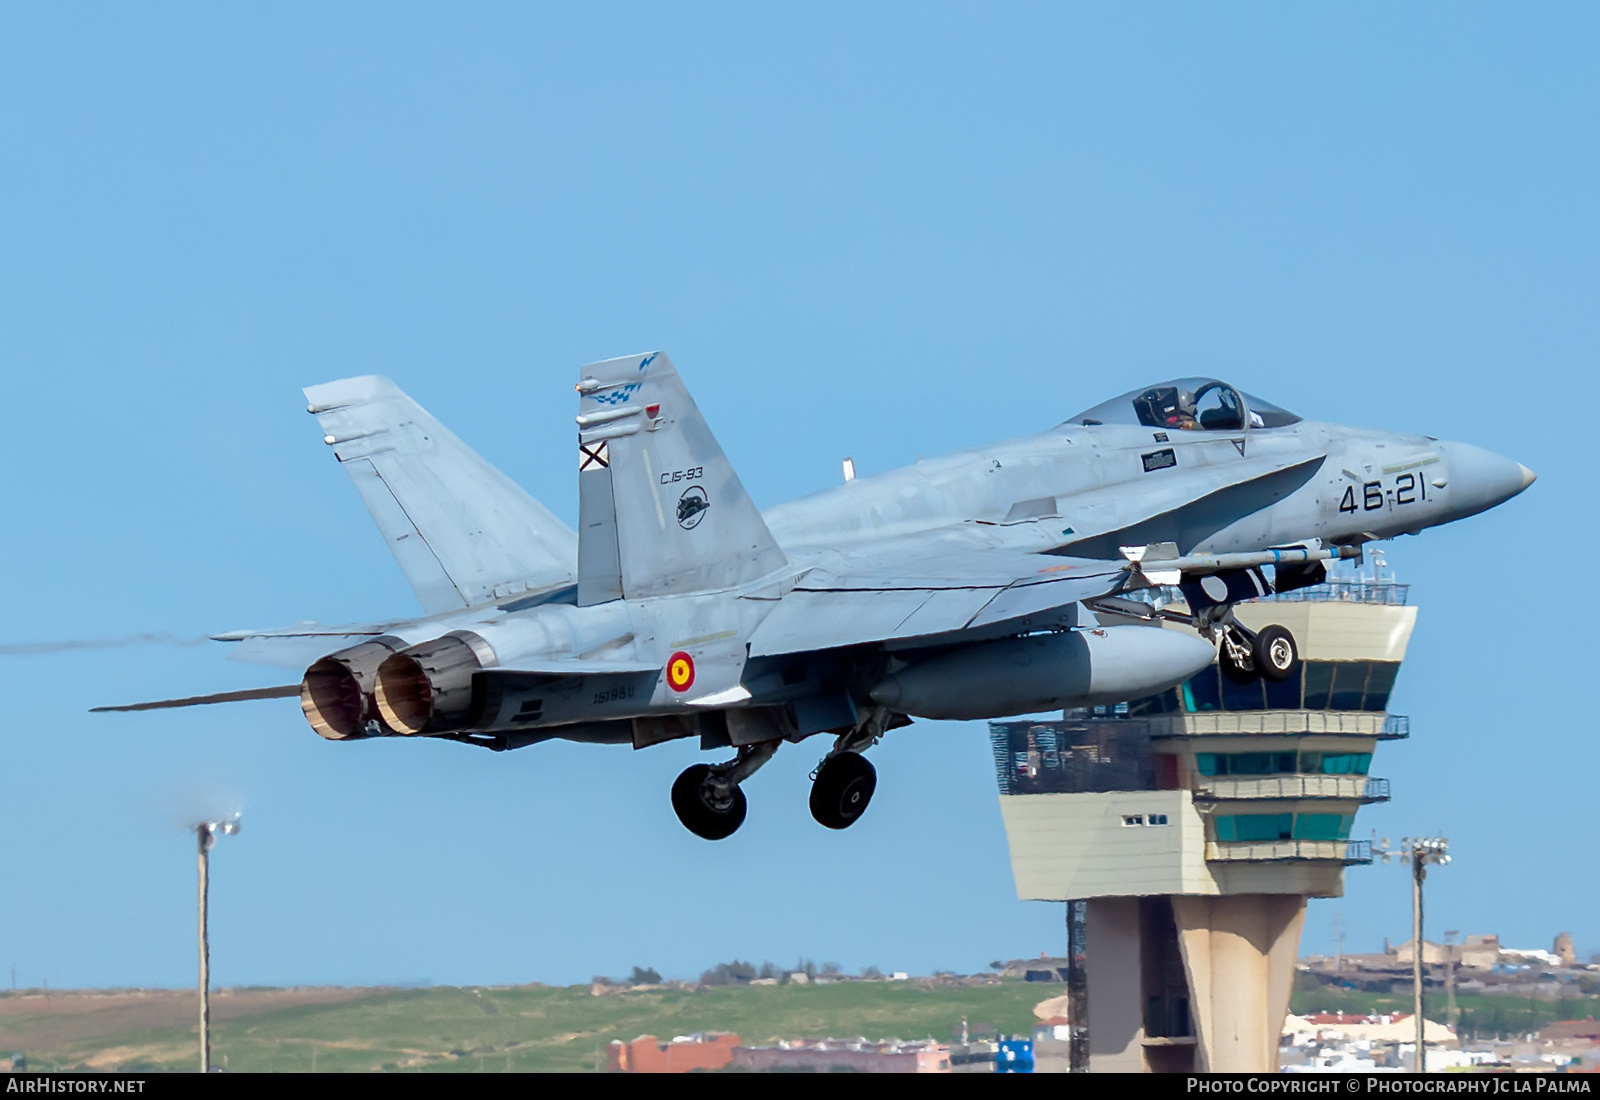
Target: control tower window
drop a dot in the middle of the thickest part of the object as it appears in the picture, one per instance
(1323, 826)
(1315, 685)
(1335, 763)
(1245, 763)
(1282, 763)
(1235, 827)
(1259, 827)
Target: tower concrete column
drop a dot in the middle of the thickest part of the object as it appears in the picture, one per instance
(1116, 1012)
(1238, 953)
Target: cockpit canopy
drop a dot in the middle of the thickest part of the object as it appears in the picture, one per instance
(1188, 404)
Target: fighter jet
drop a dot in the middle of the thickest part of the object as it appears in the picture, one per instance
(1010, 579)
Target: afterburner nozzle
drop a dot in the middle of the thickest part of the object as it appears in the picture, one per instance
(428, 688)
(336, 694)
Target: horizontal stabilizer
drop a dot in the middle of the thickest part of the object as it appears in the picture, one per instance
(287, 691)
(463, 532)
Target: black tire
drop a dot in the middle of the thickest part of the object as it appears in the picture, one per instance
(700, 817)
(842, 790)
(1275, 654)
(1233, 672)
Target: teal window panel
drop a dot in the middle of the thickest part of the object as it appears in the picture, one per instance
(1323, 826)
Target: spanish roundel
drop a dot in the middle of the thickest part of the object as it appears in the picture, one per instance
(680, 671)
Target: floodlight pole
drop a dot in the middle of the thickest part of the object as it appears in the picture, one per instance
(1419, 852)
(1419, 869)
(206, 838)
(205, 834)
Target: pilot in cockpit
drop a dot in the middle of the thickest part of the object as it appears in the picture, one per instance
(1168, 407)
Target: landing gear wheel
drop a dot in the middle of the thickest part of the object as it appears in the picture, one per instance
(703, 816)
(1275, 653)
(842, 789)
(1245, 672)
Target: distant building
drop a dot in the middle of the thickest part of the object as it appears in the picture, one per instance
(1568, 1030)
(1396, 1027)
(1564, 950)
(1480, 952)
(647, 1054)
(1042, 969)
(1432, 953)
(849, 1055)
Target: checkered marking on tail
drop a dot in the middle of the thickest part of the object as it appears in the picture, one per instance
(616, 396)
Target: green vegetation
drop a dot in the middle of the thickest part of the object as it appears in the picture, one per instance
(540, 1028)
(1480, 1016)
(534, 1028)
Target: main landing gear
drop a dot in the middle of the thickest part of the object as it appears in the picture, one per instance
(842, 789)
(843, 783)
(707, 798)
(709, 802)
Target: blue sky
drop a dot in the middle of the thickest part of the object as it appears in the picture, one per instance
(881, 230)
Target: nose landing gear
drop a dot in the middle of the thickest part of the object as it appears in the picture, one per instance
(1275, 653)
(1269, 653)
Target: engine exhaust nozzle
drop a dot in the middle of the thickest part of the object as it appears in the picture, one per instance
(336, 693)
(428, 687)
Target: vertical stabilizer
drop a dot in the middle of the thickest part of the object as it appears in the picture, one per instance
(661, 510)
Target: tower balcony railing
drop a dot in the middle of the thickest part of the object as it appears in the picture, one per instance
(1374, 724)
(1349, 788)
(1348, 591)
(1268, 851)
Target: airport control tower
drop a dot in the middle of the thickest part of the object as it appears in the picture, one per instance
(1188, 830)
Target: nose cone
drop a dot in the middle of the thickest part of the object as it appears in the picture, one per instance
(1480, 479)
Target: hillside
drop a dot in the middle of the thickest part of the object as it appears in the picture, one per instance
(522, 1028)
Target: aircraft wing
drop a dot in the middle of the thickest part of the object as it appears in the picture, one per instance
(856, 600)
